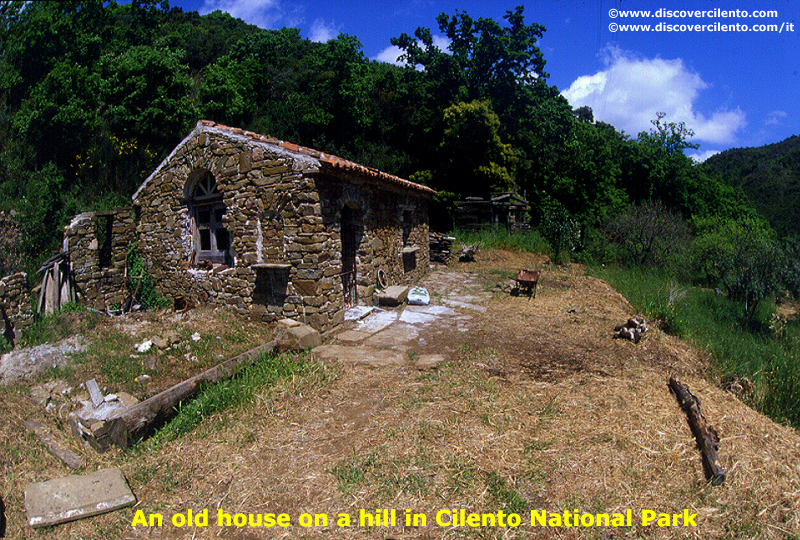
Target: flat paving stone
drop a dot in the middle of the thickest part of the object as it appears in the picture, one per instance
(415, 317)
(351, 336)
(399, 336)
(439, 311)
(357, 313)
(467, 305)
(429, 361)
(377, 321)
(75, 497)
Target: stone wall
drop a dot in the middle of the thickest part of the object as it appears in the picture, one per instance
(97, 243)
(15, 306)
(10, 240)
(283, 217)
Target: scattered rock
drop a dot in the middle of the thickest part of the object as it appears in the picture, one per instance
(144, 346)
(24, 363)
(429, 361)
(151, 363)
(575, 309)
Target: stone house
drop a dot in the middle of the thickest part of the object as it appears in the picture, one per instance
(507, 210)
(268, 228)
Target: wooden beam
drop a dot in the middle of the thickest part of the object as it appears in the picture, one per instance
(706, 436)
(136, 422)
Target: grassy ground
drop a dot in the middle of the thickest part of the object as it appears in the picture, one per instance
(764, 348)
(536, 409)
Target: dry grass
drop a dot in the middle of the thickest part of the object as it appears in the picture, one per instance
(537, 409)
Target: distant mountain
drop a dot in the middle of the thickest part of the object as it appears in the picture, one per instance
(770, 175)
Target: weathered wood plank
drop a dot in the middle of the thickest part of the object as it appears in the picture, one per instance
(133, 424)
(70, 458)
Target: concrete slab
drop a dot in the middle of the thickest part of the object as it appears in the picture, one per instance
(467, 305)
(352, 336)
(366, 356)
(439, 311)
(393, 296)
(75, 497)
(414, 317)
(377, 321)
(399, 336)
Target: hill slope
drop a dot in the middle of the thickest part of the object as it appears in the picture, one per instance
(769, 175)
(536, 408)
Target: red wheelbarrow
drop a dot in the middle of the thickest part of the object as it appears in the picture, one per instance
(527, 280)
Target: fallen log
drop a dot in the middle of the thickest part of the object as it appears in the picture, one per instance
(134, 423)
(705, 435)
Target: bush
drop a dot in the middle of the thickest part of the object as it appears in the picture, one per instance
(560, 229)
(649, 234)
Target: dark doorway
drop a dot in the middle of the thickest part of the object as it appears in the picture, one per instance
(349, 248)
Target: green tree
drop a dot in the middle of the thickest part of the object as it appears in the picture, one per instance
(741, 255)
(475, 161)
(560, 230)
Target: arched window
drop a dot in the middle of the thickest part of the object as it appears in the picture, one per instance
(212, 241)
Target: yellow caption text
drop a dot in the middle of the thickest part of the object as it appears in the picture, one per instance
(391, 517)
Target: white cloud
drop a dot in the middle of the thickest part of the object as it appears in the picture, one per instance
(322, 31)
(262, 13)
(774, 118)
(632, 89)
(700, 157)
(391, 53)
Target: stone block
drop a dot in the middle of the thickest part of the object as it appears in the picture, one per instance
(306, 287)
(393, 296)
(75, 497)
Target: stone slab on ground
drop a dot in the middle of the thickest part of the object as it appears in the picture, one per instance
(357, 313)
(429, 361)
(366, 356)
(393, 296)
(377, 321)
(462, 304)
(415, 317)
(439, 311)
(75, 497)
(399, 336)
(351, 336)
(305, 336)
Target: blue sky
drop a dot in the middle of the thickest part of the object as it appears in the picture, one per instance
(733, 88)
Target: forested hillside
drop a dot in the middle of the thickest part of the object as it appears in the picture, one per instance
(95, 94)
(769, 175)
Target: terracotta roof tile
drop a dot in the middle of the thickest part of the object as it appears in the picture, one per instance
(327, 160)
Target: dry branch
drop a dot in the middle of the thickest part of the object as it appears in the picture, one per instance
(706, 436)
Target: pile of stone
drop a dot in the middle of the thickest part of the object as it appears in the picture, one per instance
(441, 247)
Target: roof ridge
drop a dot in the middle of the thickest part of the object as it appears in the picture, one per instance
(330, 160)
